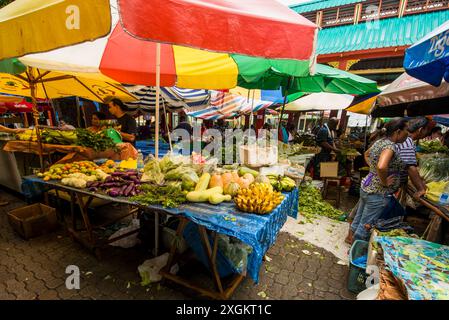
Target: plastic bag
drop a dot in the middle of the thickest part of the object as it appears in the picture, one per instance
(129, 241)
(235, 251)
(149, 269)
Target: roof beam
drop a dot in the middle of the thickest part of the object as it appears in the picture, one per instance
(363, 54)
(376, 71)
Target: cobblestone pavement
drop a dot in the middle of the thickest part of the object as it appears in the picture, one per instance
(35, 269)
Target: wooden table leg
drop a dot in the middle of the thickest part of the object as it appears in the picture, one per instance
(211, 255)
(83, 207)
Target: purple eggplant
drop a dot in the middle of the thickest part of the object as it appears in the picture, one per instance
(118, 174)
(114, 192)
(93, 189)
(133, 193)
(128, 189)
(109, 179)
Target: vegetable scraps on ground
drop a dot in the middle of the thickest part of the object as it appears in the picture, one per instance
(312, 204)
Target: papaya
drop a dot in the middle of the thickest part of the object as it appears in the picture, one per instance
(235, 176)
(216, 181)
(244, 183)
(203, 183)
(226, 178)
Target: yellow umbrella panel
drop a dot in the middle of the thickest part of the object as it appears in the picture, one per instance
(52, 85)
(29, 26)
(363, 107)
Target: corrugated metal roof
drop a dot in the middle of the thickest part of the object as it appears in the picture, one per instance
(321, 4)
(383, 33)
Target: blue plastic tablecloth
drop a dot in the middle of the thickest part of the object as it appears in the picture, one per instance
(148, 147)
(258, 231)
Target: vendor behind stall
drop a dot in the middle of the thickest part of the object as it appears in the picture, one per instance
(128, 125)
(97, 117)
(325, 139)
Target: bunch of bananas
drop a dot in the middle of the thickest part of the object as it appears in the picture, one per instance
(59, 137)
(259, 198)
(281, 183)
(28, 135)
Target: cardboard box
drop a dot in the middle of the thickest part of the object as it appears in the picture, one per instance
(329, 169)
(34, 220)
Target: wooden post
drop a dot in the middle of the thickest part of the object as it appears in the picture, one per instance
(36, 116)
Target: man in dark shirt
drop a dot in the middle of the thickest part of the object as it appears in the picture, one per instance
(325, 139)
(127, 123)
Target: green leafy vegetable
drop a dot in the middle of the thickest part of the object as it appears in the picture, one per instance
(96, 141)
(170, 195)
(312, 204)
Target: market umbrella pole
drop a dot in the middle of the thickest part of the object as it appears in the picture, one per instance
(285, 101)
(158, 83)
(36, 116)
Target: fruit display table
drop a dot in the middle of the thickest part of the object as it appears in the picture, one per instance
(258, 231)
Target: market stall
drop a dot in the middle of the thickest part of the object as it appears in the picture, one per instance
(195, 192)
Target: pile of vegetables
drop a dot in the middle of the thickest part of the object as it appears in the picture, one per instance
(311, 204)
(214, 195)
(305, 139)
(432, 146)
(167, 169)
(28, 135)
(96, 141)
(350, 152)
(170, 195)
(118, 184)
(60, 171)
(55, 136)
(434, 168)
(289, 150)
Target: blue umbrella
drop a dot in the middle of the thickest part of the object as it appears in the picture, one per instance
(428, 59)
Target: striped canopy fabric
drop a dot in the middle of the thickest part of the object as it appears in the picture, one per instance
(225, 105)
(175, 99)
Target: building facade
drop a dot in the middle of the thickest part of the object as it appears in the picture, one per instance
(369, 37)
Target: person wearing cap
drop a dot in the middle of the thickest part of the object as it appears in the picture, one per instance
(128, 125)
(418, 129)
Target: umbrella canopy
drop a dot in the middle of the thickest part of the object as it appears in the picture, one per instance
(409, 89)
(51, 85)
(408, 94)
(325, 79)
(175, 99)
(363, 104)
(428, 59)
(274, 96)
(223, 26)
(130, 60)
(225, 105)
(9, 99)
(320, 102)
(28, 26)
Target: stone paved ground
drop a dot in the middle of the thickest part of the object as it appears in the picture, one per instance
(35, 269)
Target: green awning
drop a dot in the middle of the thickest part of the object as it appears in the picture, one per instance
(383, 33)
(321, 4)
